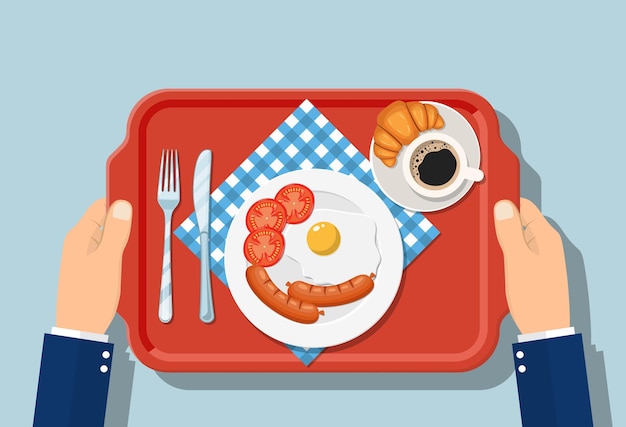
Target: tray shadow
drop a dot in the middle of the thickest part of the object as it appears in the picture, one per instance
(121, 381)
(495, 371)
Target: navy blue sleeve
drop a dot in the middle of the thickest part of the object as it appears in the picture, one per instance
(73, 382)
(552, 382)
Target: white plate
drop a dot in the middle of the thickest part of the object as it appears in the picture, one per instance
(332, 190)
(393, 183)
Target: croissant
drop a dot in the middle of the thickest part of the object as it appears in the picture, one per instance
(399, 124)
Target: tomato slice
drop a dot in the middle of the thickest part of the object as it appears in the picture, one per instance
(266, 213)
(264, 247)
(298, 201)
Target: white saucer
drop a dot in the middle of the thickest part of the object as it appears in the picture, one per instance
(392, 181)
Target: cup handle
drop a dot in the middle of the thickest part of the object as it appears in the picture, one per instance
(474, 174)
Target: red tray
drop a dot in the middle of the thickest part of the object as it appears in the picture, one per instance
(447, 314)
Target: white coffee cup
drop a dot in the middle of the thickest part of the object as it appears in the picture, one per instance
(462, 173)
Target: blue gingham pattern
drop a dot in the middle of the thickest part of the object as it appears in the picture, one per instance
(305, 140)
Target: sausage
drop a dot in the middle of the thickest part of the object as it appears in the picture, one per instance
(287, 306)
(327, 296)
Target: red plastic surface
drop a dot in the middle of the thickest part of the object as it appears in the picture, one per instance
(447, 314)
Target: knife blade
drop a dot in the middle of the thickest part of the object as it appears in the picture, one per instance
(201, 198)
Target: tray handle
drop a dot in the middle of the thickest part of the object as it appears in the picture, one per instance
(122, 160)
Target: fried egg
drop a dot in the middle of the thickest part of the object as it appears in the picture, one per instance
(333, 246)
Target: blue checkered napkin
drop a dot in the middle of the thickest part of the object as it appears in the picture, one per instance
(305, 140)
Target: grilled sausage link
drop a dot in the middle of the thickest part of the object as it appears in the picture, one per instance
(328, 296)
(287, 306)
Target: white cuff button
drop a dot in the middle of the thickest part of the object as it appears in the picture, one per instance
(106, 354)
(104, 369)
(519, 354)
(521, 369)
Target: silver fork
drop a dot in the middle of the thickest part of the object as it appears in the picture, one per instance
(168, 196)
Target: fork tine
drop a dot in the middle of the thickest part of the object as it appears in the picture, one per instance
(177, 170)
(161, 169)
(169, 173)
(168, 170)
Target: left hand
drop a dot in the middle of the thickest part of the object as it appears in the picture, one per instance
(91, 268)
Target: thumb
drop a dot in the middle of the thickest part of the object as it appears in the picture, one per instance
(116, 228)
(509, 228)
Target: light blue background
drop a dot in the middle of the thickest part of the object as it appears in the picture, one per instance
(70, 73)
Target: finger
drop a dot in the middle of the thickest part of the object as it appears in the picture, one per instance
(531, 214)
(88, 229)
(509, 228)
(116, 228)
(537, 228)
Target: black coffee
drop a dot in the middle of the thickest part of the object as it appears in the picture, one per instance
(437, 168)
(434, 164)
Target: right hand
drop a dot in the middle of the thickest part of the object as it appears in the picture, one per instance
(534, 268)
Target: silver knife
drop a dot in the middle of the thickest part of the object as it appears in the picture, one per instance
(201, 197)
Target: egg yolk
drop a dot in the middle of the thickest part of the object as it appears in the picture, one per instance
(323, 238)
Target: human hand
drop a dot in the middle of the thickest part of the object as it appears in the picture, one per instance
(534, 268)
(91, 268)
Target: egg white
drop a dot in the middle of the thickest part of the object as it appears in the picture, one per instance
(357, 253)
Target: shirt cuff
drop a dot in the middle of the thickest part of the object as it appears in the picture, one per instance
(552, 333)
(72, 333)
